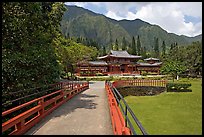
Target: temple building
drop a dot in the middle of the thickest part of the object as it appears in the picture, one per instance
(118, 62)
(152, 65)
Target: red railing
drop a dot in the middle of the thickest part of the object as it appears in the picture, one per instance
(120, 113)
(44, 105)
(120, 125)
(138, 82)
(118, 122)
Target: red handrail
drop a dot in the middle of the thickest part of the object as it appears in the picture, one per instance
(19, 122)
(138, 82)
(121, 125)
(118, 122)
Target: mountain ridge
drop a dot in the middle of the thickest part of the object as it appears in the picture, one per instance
(81, 22)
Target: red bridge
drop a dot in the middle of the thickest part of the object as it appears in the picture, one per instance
(65, 112)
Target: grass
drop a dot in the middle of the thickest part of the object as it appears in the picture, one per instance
(170, 113)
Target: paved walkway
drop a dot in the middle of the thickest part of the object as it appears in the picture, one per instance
(85, 114)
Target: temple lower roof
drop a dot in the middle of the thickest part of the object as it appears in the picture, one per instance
(148, 64)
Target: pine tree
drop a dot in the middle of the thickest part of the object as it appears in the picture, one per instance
(104, 50)
(143, 52)
(129, 49)
(111, 42)
(78, 40)
(124, 44)
(138, 45)
(163, 48)
(156, 47)
(134, 51)
(68, 36)
(116, 44)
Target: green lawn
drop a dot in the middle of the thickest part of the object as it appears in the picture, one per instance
(170, 113)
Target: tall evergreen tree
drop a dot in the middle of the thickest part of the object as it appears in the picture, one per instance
(163, 48)
(124, 44)
(134, 51)
(67, 35)
(116, 45)
(78, 40)
(129, 48)
(143, 52)
(138, 45)
(111, 43)
(104, 50)
(156, 47)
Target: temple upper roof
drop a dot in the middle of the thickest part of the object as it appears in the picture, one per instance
(119, 54)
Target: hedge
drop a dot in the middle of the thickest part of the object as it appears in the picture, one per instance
(176, 87)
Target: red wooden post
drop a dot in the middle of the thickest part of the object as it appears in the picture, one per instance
(41, 102)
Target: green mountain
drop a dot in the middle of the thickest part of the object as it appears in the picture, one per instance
(80, 22)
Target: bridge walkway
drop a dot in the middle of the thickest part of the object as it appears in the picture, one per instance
(85, 114)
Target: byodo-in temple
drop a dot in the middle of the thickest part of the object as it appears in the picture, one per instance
(118, 62)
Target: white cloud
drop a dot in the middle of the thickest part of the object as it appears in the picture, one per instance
(111, 14)
(168, 15)
(191, 8)
(79, 4)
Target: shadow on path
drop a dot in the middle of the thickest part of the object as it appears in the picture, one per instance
(79, 101)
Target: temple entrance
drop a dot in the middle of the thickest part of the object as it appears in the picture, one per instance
(122, 68)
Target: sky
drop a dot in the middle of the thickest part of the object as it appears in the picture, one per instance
(181, 18)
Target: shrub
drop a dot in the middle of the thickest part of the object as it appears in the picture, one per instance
(99, 74)
(144, 73)
(178, 87)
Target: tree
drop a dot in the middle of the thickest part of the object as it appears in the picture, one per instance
(28, 30)
(163, 48)
(156, 47)
(79, 40)
(68, 36)
(104, 50)
(190, 55)
(134, 51)
(129, 49)
(143, 52)
(124, 44)
(174, 68)
(138, 45)
(116, 45)
(111, 42)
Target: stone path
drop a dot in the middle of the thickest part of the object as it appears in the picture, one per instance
(85, 114)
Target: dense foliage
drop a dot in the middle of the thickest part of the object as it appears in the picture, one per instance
(28, 57)
(183, 60)
(69, 53)
(178, 87)
(34, 52)
(173, 68)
